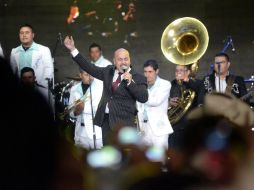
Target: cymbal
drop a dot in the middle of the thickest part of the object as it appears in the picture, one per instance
(249, 80)
(74, 78)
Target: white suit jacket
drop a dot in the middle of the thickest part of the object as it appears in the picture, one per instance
(86, 116)
(1, 51)
(156, 108)
(41, 62)
(101, 62)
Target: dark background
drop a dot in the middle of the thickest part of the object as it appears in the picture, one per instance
(222, 18)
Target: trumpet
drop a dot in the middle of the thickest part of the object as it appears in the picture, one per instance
(72, 106)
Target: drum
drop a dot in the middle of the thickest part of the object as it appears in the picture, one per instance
(250, 89)
(250, 80)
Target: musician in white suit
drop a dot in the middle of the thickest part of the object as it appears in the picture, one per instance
(85, 92)
(152, 115)
(34, 55)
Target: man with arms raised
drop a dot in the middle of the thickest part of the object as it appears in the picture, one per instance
(122, 87)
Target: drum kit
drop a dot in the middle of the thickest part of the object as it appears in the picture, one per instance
(250, 89)
(250, 80)
(250, 83)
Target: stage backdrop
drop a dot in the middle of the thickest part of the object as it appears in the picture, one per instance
(141, 34)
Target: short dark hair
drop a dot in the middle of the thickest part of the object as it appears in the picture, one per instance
(27, 25)
(93, 45)
(152, 63)
(221, 54)
(25, 70)
(188, 67)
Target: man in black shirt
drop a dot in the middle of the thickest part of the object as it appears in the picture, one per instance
(183, 86)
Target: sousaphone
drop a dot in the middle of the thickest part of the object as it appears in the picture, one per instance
(183, 42)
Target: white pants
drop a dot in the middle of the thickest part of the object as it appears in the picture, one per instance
(85, 142)
(88, 143)
(150, 139)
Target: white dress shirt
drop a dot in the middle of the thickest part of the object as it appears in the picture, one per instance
(220, 86)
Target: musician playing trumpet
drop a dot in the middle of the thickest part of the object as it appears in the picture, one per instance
(84, 110)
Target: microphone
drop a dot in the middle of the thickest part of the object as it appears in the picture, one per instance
(125, 68)
(232, 44)
(60, 38)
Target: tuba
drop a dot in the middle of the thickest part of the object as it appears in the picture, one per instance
(183, 42)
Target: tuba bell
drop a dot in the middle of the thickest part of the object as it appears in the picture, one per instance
(183, 42)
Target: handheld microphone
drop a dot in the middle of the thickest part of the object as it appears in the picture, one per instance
(60, 38)
(125, 68)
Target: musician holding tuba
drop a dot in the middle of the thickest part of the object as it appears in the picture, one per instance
(183, 97)
(183, 42)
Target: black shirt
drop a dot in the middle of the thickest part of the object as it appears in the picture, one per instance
(84, 87)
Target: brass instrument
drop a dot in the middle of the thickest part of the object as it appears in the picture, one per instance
(183, 42)
(72, 106)
(184, 103)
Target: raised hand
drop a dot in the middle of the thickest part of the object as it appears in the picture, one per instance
(69, 43)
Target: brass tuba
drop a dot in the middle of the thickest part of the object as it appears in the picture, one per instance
(183, 42)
